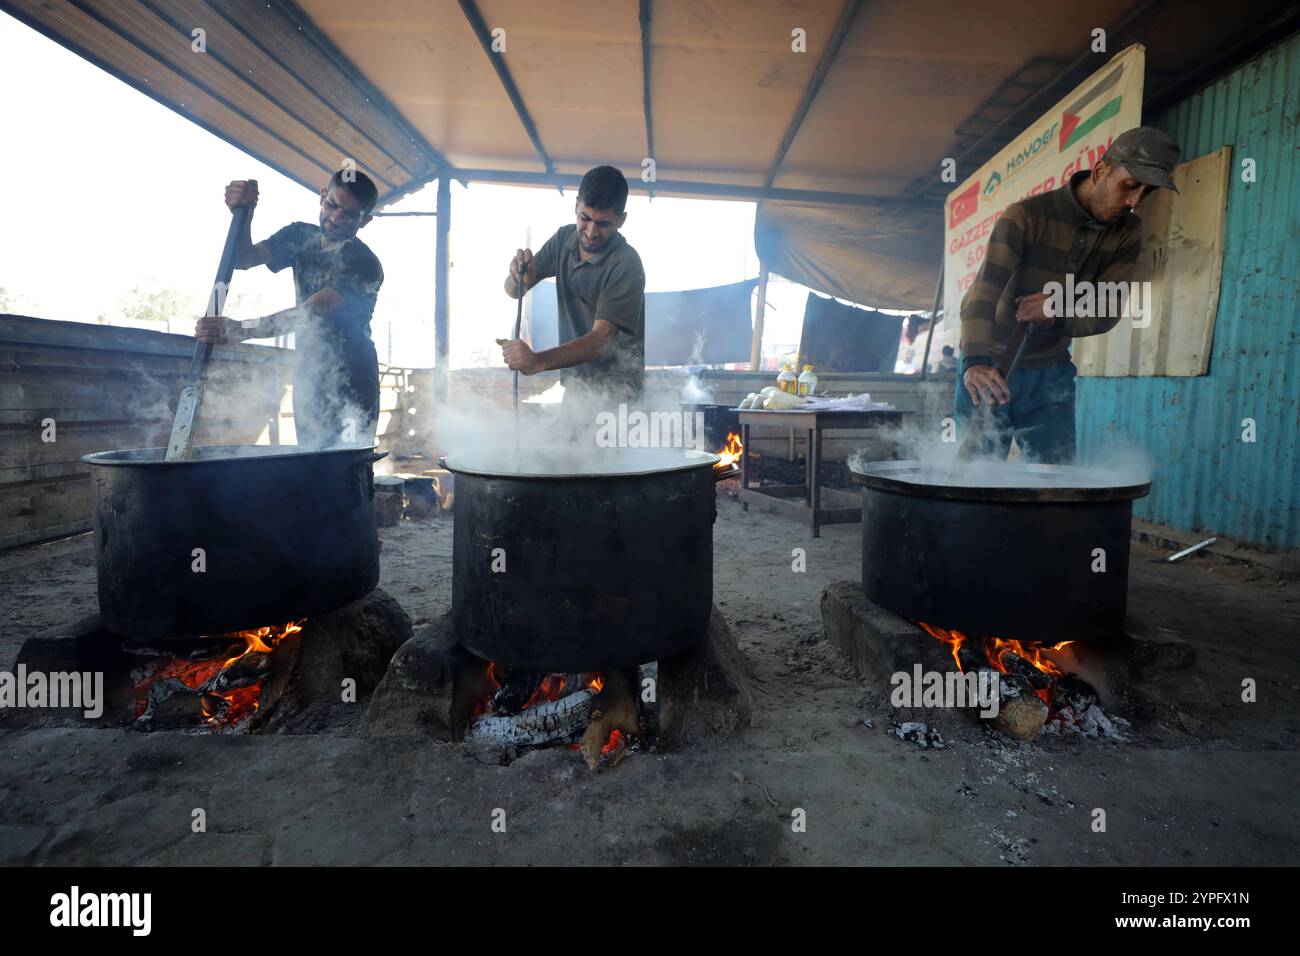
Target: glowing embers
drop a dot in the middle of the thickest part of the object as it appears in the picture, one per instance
(214, 684)
(594, 713)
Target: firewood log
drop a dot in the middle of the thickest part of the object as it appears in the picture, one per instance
(542, 724)
(172, 704)
(243, 672)
(613, 709)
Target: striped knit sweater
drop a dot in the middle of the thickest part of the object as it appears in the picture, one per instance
(1036, 241)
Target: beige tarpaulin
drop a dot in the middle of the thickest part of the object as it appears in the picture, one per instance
(725, 94)
(873, 257)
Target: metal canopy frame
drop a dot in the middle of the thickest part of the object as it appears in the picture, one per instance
(377, 100)
(979, 149)
(343, 90)
(484, 35)
(647, 15)
(702, 190)
(850, 13)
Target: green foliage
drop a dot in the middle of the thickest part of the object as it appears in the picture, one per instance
(158, 306)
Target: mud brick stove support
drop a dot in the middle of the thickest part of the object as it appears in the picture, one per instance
(299, 685)
(433, 686)
(581, 603)
(1145, 673)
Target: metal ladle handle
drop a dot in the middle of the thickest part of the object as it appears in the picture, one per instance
(519, 320)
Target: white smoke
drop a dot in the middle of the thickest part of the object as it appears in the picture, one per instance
(563, 438)
(930, 446)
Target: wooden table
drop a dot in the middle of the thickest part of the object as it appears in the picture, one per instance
(806, 501)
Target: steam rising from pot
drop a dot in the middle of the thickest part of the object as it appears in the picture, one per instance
(933, 446)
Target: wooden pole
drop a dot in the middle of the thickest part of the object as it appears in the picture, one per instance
(441, 293)
(756, 347)
(934, 318)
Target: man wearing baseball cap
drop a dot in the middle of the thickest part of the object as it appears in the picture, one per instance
(1085, 230)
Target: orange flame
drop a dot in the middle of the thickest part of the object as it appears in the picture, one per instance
(997, 648)
(954, 639)
(730, 452)
(243, 701)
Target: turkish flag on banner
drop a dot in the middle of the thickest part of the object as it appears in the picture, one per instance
(964, 204)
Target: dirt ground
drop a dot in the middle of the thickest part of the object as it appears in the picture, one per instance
(1218, 793)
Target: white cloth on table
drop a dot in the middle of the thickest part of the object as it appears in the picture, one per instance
(847, 403)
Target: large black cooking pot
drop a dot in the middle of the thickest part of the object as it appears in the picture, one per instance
(283, 535)
(1009, 552)
(567, 560)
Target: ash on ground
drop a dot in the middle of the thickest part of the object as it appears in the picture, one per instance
(922, 734)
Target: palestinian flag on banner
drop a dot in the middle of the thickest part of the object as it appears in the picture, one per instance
(1094, 103)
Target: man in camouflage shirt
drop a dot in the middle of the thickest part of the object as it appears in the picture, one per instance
(336, 279)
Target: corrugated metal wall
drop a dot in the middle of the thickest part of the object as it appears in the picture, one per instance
(1206, 477)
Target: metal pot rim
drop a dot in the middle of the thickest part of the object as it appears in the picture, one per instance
(890, 476)
(696, 459)
(103, 457)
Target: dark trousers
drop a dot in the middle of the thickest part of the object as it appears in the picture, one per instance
(1040, 415)
(337, 403)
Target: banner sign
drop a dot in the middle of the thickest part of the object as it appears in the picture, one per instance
(1071, 136)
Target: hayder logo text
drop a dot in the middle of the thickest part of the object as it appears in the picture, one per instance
(103, 909)
(59, 689)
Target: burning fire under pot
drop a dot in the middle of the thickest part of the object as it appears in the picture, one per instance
(194, 556)
(1036, 551)
(220, 683)
(574, 573)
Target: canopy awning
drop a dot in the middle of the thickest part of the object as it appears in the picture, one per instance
(836, 104)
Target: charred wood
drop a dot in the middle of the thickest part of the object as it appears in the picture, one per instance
(515, 689)
(1026, 672)
(1073, 692)
(614, 708)
(555, 720)
(245, 671)
(172, 704)
(197, 649)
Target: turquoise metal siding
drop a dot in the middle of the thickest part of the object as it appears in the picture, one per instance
(1206, 477)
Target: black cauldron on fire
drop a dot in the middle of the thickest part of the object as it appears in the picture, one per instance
(1011, 550)
(569, 559)
(237, 537)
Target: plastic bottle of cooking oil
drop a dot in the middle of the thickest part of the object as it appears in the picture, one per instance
(807, 382)
(786, 381)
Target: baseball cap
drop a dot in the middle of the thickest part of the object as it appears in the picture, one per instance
(1149, 154)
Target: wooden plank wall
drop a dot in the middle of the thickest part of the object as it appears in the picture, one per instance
(1182, 258)
(106, 388)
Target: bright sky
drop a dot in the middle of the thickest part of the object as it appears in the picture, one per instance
(120, 192)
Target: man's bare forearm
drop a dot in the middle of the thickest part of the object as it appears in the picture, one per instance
(245, 256)
(582, 349)
(322, 304)
(269, 326)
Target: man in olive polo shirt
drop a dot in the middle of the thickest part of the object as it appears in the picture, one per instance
(599, 292)
(1084, 230)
